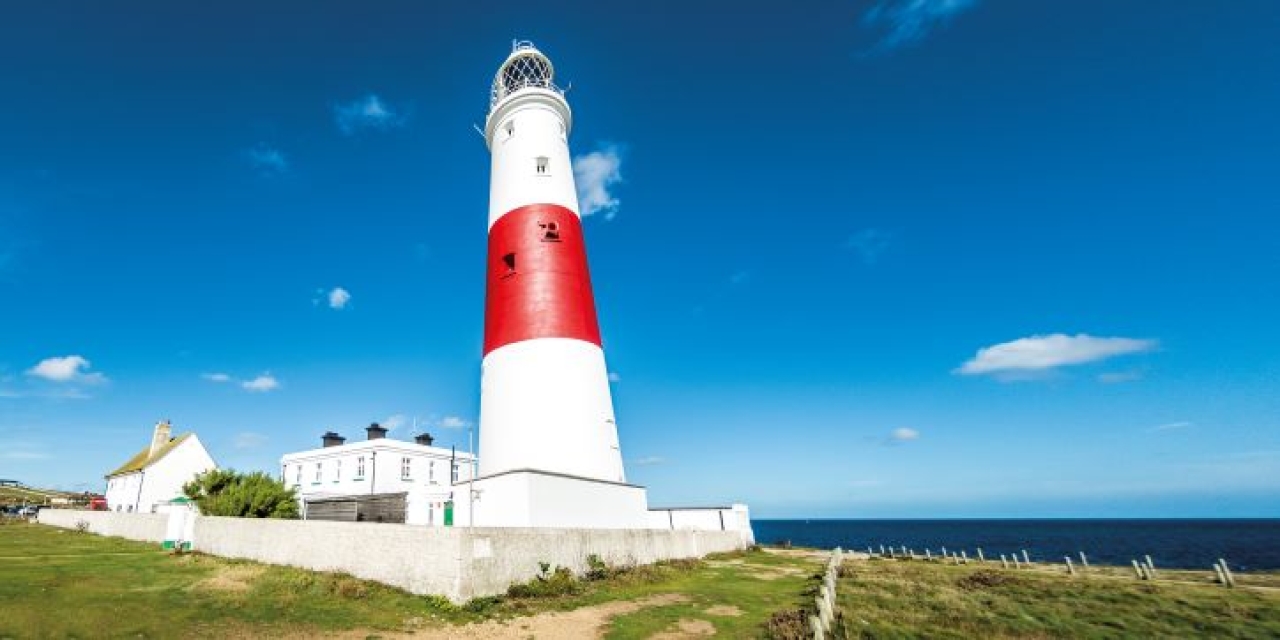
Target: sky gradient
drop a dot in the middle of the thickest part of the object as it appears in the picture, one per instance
(933, 258)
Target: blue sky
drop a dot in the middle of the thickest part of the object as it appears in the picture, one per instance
(864, 259)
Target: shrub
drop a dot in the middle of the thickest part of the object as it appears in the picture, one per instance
(226, 492)
(82, 526)
(597, 569)
(561, 582)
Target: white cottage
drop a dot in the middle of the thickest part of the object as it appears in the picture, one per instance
(155, 475)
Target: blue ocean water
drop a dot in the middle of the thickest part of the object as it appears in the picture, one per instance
(1247, 545)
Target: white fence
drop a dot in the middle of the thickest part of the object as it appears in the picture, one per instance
(458, 563)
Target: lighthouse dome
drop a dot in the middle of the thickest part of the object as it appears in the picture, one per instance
(526, 67)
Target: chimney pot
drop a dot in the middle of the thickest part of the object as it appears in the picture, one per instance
(331, 439)
(376, 431)
(424, 439)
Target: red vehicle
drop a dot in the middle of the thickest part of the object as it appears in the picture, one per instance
(98, 504)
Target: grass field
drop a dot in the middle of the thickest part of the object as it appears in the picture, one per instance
(895, 599)
(61, 583)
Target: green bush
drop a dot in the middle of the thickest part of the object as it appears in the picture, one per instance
(560, 582)
(226, 492)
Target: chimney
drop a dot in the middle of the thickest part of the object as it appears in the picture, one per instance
(376, 431)
(424, 439)
(331, 439)
(159, 438)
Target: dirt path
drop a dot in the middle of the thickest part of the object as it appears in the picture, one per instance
(584, 622)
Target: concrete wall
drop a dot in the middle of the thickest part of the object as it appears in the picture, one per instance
(458, 563)
(417, 559)
(148, 527)
(495, 558)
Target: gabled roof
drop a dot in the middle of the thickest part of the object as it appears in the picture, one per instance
(141, 460)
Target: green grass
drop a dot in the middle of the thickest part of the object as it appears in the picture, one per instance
(899, 599)
(62, 583)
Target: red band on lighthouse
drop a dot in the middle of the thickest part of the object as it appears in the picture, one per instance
(538, 283)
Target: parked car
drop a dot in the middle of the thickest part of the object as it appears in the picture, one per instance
(29, 512)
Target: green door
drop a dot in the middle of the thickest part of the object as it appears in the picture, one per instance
(448, 513)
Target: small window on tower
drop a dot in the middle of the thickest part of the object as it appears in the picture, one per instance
(550, 231)
(510, 261)
(511, 128)
(542, 165)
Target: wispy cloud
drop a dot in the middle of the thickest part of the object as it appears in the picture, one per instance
(452, 422)
(648, 461)
(614, 377)
(904, 22)
(1172, 426)
(261, 384)
(595, 175)
(267, 161)
(249, 441)
(216, 377)
(395, 421)
(368, 112)
(1046, 352)
(66, 369)
(903, 434)
(24, 455)
(338, 298)
(1117, 377)
(869, 244)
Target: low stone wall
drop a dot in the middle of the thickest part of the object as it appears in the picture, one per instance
(417, 559)
(493, 559)
(148, 527)
(457, 563)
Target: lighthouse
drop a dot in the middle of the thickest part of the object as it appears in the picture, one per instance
(549, 453)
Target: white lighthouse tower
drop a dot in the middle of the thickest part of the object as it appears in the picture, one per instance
(549, 453)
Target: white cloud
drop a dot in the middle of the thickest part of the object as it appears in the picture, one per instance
(66, 369)
(267, 161)
(216, 377)
(452, 422)
(595, 174)
(648, 461)
(24, 455)
(869, 244)
(261, 384)
(904, 434)
(338, 298)
(394, 422)
(249, 441)
(1170, 426)
(907, 21)
(368, 112)
(1042, 353)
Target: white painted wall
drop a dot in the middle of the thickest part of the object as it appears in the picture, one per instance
(147, 527)
(546, 404)
(531, 499)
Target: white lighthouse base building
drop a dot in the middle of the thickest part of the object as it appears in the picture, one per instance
(531, 498)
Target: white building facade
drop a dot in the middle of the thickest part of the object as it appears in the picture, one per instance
(155, 475)
(377, 466)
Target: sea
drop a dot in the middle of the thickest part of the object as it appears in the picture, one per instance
(1246, 545)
